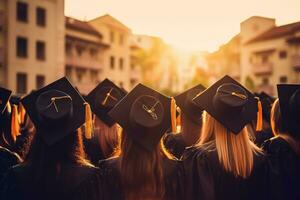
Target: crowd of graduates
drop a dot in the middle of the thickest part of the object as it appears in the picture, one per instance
(216, 143)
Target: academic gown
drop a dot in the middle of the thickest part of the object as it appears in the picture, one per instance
(284, 166)
(262, 136)
(7, 160)
(173, 176)
(206, 179)
(175, 144)
(73, 183)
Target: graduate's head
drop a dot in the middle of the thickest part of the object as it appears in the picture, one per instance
(145, 115)
(276, 121)
(102, 99)
(57, 111)
(229, 109)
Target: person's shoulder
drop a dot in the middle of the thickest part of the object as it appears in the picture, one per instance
(276, 145)
(199, 151)
(9, 156)
(108, 165)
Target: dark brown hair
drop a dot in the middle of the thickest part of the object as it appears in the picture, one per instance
(142, 170)
(45, 159)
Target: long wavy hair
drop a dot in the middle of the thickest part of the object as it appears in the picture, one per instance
(108, 137)
(141, 170)
(235, 151)
(45, 160)
(277, 128)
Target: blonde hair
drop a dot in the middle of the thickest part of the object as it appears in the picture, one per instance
(277, 129)
(109, 137)
(235, 151)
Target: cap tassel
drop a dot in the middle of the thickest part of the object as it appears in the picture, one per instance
(173, 115)
(259, 116)
(15, 126)
(88, 121)
(178, 120)
(22, 113)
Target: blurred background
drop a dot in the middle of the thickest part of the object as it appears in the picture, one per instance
(168, 45)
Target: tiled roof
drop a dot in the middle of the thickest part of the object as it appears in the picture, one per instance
(81, 26)
(277, 32)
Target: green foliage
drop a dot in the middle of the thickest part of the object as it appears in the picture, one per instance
(249, 83)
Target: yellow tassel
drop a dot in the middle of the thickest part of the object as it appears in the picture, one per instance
(15, 126)
(259, 115)
(173, 115)
(22, 113)
(88, 121)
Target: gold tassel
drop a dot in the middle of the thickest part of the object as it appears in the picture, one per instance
(88, 121)
(173, 115)
(259, 115)
(22, 113)
(15, 126)
(178, 120)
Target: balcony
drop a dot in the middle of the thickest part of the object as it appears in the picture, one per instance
(295, 62)
(262, 68)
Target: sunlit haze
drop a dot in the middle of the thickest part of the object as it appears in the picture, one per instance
(189, 24)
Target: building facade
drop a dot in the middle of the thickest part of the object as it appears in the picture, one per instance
(116, 65)
(273, 57)
(32, 43)
(84, 55)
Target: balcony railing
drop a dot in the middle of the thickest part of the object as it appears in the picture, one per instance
(262, 68)
(295, 61)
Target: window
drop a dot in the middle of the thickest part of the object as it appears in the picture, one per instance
(68, 72)
(93, 52)
(112, 37)
(68, 49)
(121, 62)
(21, 83)
(282, 54)
(133, 82)
(21, 47)
(40, 50)
(265, 81)
(40, 16)
(265, 59)
(132, 66)
(80, 72)
(283, 79)
(40, 81)
(112, 62)
(22, 12)
(121, 39)
(79, 50)
(94, 75)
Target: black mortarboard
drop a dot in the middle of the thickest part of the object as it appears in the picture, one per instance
(189, 107)
(103, 98)
(144, 114)
(5, 95)
(229, 103)
(289, 100)
(56, 110)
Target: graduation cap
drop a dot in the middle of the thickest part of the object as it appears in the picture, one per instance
(189, 107)
(56, 110)
(5, 95)
(289, 101)
(145, 115)
(103, 98)
(229, 103)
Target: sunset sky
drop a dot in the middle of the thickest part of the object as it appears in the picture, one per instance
(186, 24)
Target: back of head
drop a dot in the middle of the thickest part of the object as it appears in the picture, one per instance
(44, 159)
(235, 151)
(108, 137)
(278, 130)
(142, 170)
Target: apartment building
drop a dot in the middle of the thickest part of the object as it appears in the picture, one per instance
(273, 57)
(84, 54)
(31, 43)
